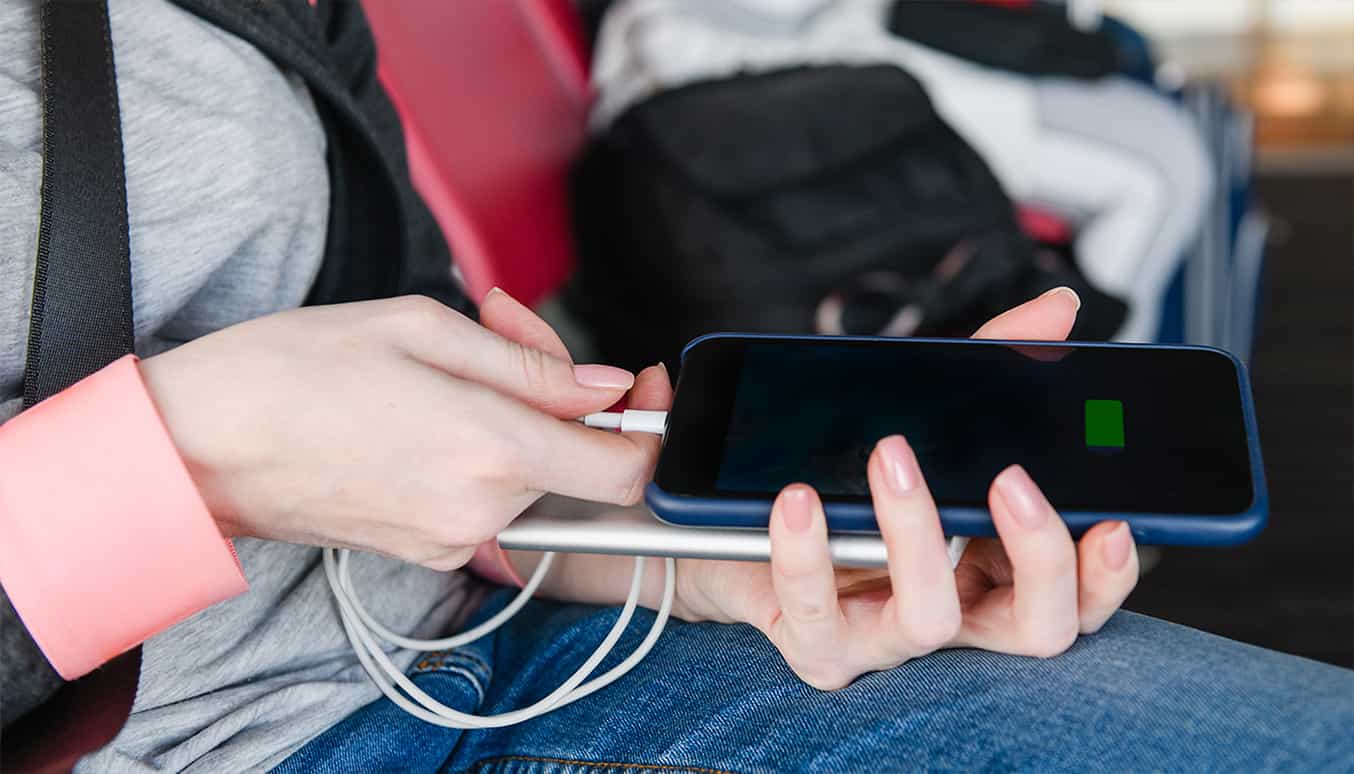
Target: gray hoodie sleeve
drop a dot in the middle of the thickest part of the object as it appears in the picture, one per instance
(26, 679)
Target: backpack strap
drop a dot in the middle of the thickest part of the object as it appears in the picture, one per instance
(81, 320)
(82, 290)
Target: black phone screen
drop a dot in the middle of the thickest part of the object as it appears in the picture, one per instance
(1107, 428)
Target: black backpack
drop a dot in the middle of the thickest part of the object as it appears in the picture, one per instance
(1035, 39)
(814, 199)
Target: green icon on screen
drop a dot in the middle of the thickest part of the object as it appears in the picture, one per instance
(1104, 425)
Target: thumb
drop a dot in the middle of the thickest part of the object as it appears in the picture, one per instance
(1046, 318)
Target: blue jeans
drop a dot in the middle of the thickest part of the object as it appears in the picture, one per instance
(1141, 695)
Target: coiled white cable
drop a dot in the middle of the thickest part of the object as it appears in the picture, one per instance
(363, 631)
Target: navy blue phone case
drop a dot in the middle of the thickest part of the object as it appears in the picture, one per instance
(1148, 528)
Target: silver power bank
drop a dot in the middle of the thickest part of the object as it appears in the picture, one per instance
(567, 525)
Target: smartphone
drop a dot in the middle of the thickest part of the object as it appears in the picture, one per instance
(1160, 436)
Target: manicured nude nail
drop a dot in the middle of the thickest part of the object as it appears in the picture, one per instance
(1064, 289)
(900, 465)
(1022, 497)
(1118, 544)
(603, 377)
(796, 509)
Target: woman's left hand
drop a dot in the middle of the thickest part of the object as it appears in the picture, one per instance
(1031, 592)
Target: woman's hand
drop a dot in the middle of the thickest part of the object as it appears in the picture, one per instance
(1030, 592)
(395, 426)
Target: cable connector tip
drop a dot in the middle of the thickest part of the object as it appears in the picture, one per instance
(629, 421)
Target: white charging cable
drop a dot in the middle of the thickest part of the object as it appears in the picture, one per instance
(364, 631)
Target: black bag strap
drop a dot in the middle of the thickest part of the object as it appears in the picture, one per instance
(81, 321)
(82, 289)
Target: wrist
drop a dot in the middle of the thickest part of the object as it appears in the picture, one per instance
(175, 404)
(690, 603)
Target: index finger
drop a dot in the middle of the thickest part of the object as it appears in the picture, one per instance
(576, 461)
(513, 320)
(450, 342)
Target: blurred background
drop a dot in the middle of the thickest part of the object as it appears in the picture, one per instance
(647, 170)
(1290, 63)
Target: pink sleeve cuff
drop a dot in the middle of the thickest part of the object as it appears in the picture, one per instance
(104, 539)
(490, 562)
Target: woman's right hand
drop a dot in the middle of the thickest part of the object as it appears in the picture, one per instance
(395, 426)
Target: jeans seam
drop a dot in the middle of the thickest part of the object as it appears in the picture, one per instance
(443, 659)
(596, 764)
(476, 658)
(470, 678)
(474, 671)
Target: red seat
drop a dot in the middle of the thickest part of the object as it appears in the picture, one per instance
(494, 97)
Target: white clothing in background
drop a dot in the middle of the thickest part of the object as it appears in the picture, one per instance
(1122, 163)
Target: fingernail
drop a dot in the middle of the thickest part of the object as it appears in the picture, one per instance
(662, 365)
(1022, 497)
(900, 464)
(1076, 299)
(603, 377)
(1118, 544)
(796, 509)
(492, 291)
